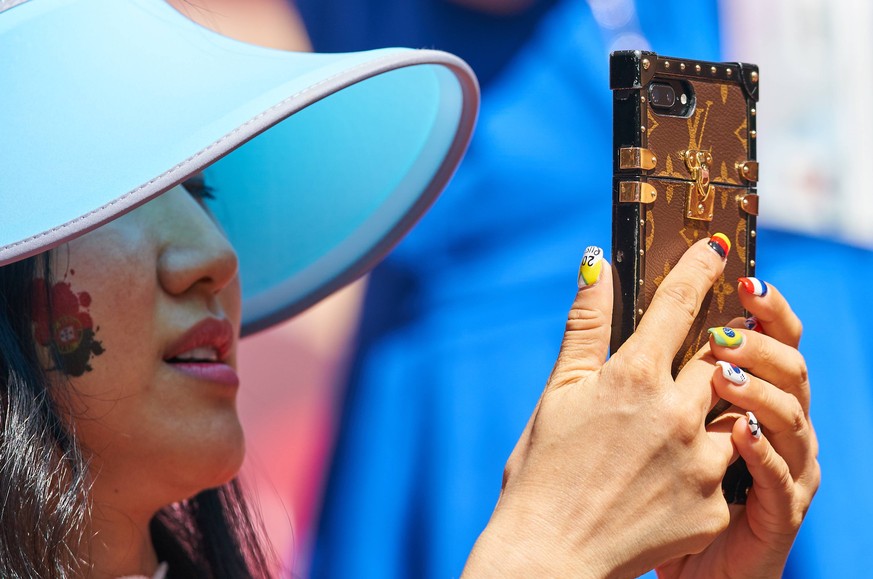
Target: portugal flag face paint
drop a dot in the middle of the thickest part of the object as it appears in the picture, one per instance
(62, 321)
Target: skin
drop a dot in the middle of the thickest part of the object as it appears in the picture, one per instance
(153, 435)
(271, 23)
(783, 461)
(616, 472)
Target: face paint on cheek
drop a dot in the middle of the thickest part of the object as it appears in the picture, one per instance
(68, 328)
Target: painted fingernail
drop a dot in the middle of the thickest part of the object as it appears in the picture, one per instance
(727, 337)
(720, 244)
(591, 266)
(753, 324)
(754, 426)
(753, 286)
(733, 373)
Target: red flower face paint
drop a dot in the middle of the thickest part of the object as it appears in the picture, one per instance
(68, 327)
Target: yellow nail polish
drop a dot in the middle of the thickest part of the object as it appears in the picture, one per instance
(720, 244)
(727, 337)
(591, 266)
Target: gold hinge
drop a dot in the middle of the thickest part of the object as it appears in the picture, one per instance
(636, 192)
(748, 203)
(701, 193)
(636, 158)
(748, 170)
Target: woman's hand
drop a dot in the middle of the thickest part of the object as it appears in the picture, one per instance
(782, 460)
(615, 472)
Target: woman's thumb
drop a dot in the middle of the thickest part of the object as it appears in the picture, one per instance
(586, 337)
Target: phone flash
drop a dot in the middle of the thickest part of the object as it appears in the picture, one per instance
(683, 99)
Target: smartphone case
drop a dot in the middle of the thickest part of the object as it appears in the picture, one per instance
(678, 179)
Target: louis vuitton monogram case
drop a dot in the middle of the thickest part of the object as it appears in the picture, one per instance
(684, 168)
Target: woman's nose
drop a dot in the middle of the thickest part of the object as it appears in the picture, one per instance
(194, 253)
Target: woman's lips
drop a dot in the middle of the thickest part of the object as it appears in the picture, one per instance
(210, 371)
(202, 352)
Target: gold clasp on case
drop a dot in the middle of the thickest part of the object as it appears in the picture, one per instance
(701, 193)
(636, 192)
(636, 158)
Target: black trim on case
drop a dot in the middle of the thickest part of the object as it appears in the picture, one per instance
(750, 86)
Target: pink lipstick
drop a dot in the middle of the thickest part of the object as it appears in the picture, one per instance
(202, 352)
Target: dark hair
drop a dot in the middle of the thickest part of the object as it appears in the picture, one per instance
(43, 473)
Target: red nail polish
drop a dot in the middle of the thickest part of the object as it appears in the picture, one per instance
(720, 244)
(753, 286)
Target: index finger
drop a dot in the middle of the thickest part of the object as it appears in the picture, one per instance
(677, 301)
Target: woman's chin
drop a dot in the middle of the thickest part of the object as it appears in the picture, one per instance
(214, 464)
(230, 470)
(221, 463)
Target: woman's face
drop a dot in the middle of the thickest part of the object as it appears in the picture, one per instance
(147, 318)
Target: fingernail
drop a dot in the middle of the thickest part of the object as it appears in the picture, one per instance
(727, 337)
(591, 266)
(720, 244)
(754, 426)
(753, 286)
(733, 373)
(753, 324)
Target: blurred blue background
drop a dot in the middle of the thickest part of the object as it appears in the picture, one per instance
(462, 322)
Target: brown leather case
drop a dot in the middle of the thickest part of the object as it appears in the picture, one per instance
(678, 179)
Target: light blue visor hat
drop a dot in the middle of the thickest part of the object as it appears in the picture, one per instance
(319, 162)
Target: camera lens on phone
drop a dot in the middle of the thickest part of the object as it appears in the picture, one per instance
(669, 97)
(662, 96)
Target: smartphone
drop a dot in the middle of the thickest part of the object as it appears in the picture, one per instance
(684, 168)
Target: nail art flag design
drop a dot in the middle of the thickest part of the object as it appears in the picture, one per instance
(753, 324)
(726, 337)
(754, 425)
(733, 373)
(720, 244)
(753, 286)
(590, 268)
